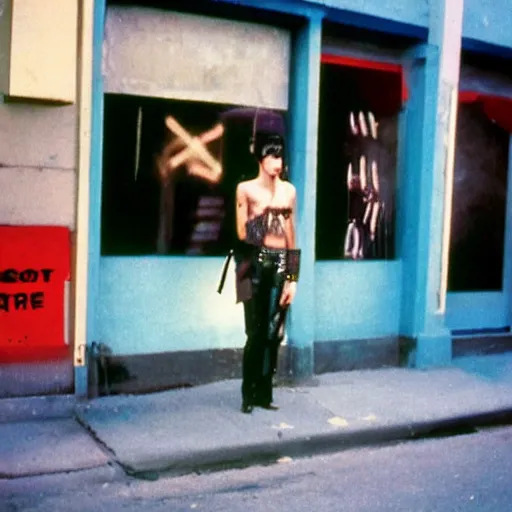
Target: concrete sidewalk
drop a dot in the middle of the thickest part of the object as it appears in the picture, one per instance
(202, 427)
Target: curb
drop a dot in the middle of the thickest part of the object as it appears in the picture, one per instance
(269, 453)
(18, 409)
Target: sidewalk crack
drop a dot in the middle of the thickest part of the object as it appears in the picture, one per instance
(109, 451)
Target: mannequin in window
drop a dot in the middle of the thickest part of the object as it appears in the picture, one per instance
(364, 203)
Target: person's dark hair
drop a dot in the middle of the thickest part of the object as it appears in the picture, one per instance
(268, 144)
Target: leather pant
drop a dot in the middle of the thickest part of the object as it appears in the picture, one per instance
(264, 326)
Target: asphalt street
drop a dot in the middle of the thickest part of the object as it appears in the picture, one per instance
(469, 472)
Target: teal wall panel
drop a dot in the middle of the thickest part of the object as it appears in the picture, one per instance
(151, 304)
(409, 12)
(475, 311)
(488, 21)
(355, 300)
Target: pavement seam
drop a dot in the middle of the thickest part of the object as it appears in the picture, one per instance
(113, 459)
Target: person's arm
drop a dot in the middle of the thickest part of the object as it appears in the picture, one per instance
(241, 211)
(290, 287)
(293, 236)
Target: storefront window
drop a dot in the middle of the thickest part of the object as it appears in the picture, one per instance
(357, 147)
(479, 193)
(170, 169)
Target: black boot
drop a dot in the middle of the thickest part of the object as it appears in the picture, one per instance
(247, 407)
(269, 406)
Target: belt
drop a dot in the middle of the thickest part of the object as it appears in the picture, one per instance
(271, 255)
(275, 258)
(264, 255)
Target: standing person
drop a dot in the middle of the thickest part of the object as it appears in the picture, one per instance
(267, 267)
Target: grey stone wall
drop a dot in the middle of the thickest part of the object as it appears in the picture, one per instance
(164, 54)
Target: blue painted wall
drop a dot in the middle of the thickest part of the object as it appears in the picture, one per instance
(304, 100)
(412, 12)
(488, 21)
(158, 304)
(155, 304)
(483, 310)
(96, 172)
(410, 197)
(355, 300)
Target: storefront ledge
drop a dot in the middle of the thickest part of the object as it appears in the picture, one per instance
(296, 366)
(356, 354)
(406, 351)
(469, 345)
(481, 344)
(147, 373)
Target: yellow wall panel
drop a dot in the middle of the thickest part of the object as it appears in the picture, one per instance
(5, 43)
(43, 49)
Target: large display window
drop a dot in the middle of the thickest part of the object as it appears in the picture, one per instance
(357, 157)
(477, 239)
(170, 169)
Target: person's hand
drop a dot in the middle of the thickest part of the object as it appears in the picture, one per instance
(288, 294)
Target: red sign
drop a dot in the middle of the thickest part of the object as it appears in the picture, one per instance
(34, 264)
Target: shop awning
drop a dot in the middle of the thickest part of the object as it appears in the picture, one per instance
(379, 83)
(496, 108)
